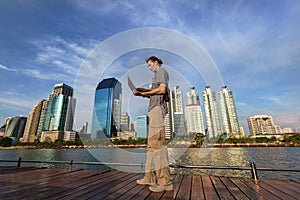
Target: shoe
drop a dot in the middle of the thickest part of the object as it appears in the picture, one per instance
(144, 182)
(158, 188)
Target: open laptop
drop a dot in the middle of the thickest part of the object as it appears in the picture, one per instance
(132, 86)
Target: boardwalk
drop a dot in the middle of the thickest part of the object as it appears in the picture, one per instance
(53, 183)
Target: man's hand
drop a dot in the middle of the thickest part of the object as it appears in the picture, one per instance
(137, 93)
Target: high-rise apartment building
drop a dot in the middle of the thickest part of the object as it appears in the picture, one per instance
(142, 126)
(193, 113)
(32, 124)
(177, 112)
(262, 124)
(211, 113)
(228, 112)
(107, 109)
(125, 121)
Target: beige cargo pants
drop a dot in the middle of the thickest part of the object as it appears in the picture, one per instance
(157, 165)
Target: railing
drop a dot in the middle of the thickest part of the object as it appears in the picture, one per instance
(252, 167)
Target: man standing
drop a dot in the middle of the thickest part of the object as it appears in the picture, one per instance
(157, 173)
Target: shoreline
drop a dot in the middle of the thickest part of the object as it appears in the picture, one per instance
(225, 145)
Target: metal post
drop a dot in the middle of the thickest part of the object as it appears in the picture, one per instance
(19, 162)
(70, 168)
(253, 171)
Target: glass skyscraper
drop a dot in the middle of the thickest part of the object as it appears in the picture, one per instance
(142, 126)
(107, 109)
(61, 109)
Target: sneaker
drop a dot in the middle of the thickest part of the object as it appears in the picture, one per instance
(144, 182)
(158, 188)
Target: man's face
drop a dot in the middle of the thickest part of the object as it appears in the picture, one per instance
(153, 66)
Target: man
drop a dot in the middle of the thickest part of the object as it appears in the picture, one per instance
(157, 173)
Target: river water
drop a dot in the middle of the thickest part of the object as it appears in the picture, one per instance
(271, 157)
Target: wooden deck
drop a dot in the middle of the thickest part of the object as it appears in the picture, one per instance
(53, 183)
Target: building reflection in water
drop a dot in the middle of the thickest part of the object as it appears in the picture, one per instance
(215, 157)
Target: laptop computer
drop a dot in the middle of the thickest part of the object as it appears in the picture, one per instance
(132, 86)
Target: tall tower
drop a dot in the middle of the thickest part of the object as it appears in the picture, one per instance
(142, 126)
(177, 112)
(107, 109)
(31, 128)
(15, 127)
(61, 109)
(193, 113)
(228, 112)
(211, 113)
(125, 121)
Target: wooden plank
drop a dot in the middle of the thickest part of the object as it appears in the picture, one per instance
(42, 190)
(285, 186)
(177, 183)
(208, 188)
(106, 186)
(142, 194)
(120, 189)
(131, 193)
(260, 190)
(197, 192)
(271, 187)
(233, 189)
(25, 179)
(221, 189)
(81, 185)
(184, 191)
(248, 191)
(96, 185)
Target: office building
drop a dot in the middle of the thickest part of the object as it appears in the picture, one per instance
(193, 113)
(31, 128)
(15, 127)
(107, 109)
(228, 112)
(212, 119)
(177, 112)
(142, 126)
(61, 109)
(57, 113)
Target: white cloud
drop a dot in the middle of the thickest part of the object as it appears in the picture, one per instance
(7, 68)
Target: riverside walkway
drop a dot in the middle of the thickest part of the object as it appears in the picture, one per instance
(56, 183)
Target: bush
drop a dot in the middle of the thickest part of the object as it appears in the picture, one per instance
(5, 142)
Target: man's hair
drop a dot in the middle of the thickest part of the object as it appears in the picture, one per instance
(153, 59)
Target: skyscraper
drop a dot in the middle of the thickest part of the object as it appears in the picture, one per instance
(142, 126)
(61, 109)
(193, 113)
(211, 113)
(32, 123)
(228, 112)
(107, 109)
(177, 112)
(15, 127)
(125, 121)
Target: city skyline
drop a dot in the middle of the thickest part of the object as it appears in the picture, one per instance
(253, 45)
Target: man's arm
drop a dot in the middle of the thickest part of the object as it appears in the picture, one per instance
(161, 89)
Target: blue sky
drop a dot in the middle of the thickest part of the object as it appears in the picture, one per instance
(254, 45)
